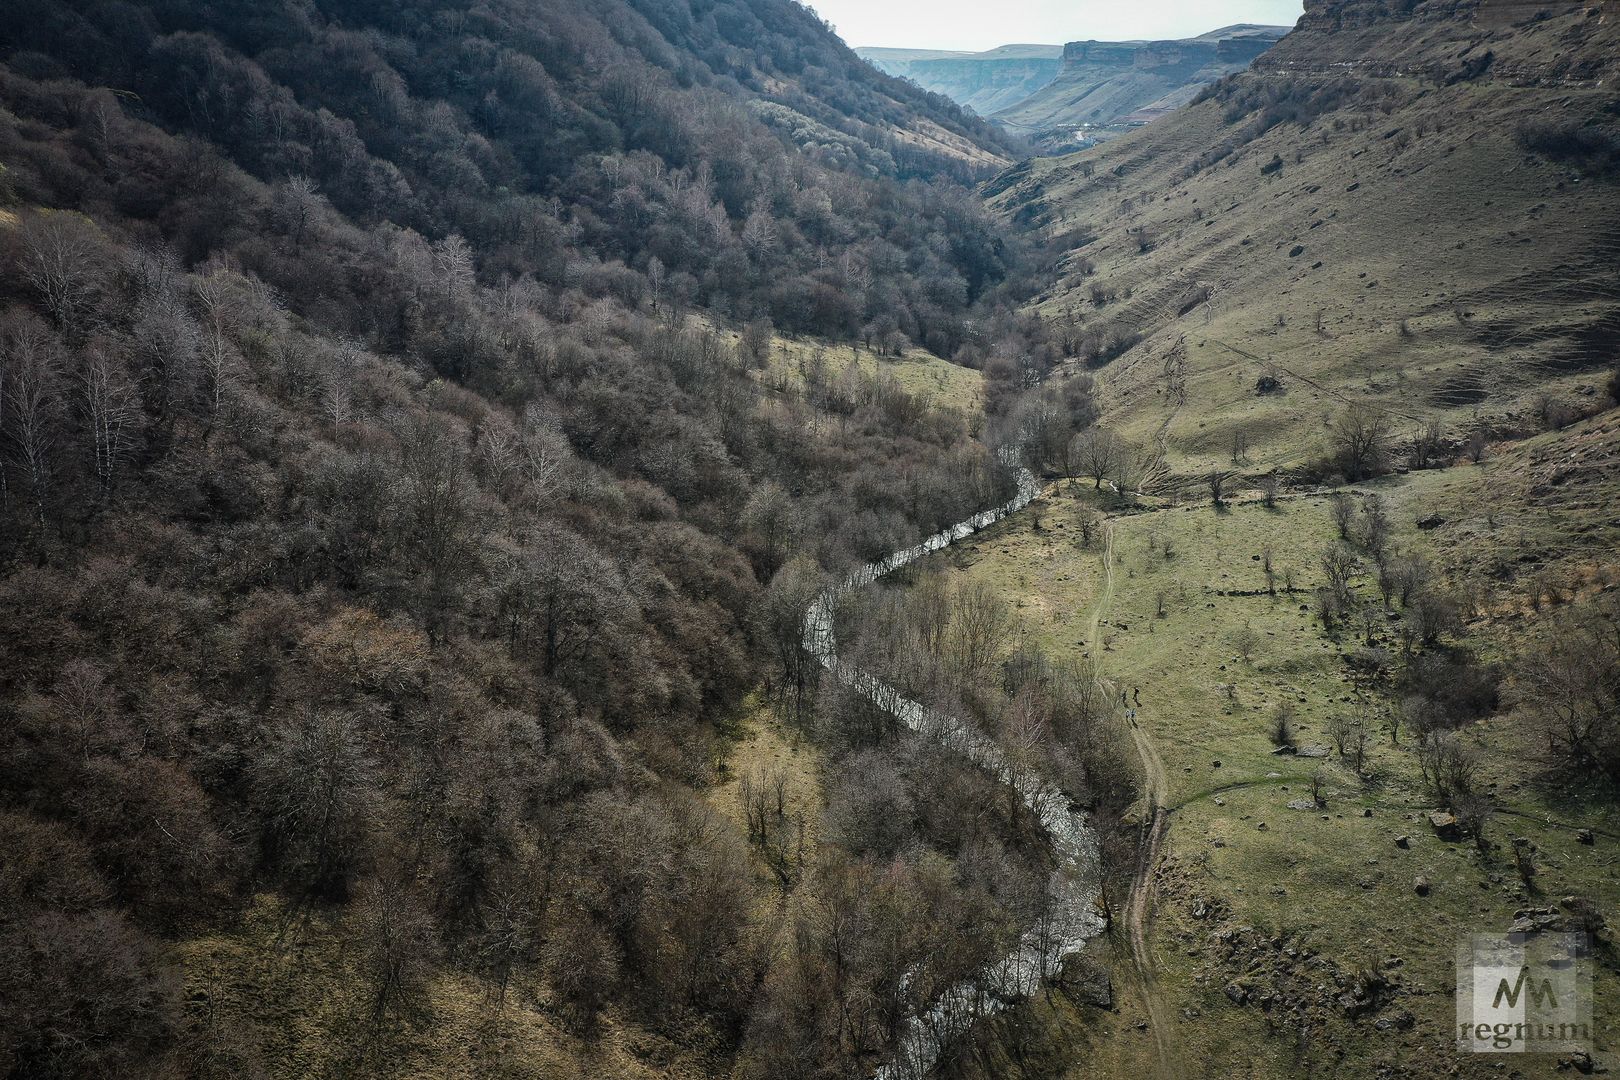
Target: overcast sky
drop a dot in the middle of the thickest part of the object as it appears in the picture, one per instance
(983, 24)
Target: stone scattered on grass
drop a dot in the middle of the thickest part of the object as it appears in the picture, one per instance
(1445, 825)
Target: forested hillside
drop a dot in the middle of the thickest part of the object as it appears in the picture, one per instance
(395, 516)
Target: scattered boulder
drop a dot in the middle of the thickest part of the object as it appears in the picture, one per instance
(1585, 836)
(1584, 914)
(1236, 994)
(1445, 826)
(1296, 251)
(1433, 521)
(1420, 885)
(1403, 842)
(1267, 384)
(1535, 920)
(1580, 1061)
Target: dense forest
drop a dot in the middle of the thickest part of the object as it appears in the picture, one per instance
(393, 517)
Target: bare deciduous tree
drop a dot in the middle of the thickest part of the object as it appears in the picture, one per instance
(1448, 767)
(30, 397)
(1098, 452)
(979, 626)
(1570, 688)
(110, 407)
(61, 262)
(1360, 438)
(315, 784)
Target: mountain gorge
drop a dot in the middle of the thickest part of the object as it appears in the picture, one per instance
(1105, 87)
(545, 539)
(410, 494)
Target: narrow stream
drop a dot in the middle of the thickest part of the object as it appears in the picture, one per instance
(1073, 888)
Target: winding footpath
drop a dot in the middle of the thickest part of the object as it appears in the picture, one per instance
(1156, 823)
(1074, 888)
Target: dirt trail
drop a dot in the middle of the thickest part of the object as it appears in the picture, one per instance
(1155, 818)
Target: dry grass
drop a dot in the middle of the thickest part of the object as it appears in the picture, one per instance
(917, 371)
(1332, 879)
(1503, 268)
(290, 987)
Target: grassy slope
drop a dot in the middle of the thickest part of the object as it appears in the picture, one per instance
(1331, 881)
(918, 371)
(1504, 267)
(1105, 96)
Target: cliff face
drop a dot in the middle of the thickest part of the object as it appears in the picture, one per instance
(1156, 54)
(1106, 86)
(1445, 41)
(984, 82)
(985, 86)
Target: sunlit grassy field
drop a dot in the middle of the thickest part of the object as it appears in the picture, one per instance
(1327, 880)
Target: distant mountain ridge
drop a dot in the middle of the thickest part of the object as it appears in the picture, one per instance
(985, 82)
(1104, 87)
(1093, 89)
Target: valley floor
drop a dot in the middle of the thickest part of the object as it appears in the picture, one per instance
(1284, 935)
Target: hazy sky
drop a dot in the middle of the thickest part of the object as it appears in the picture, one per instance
(984, 24)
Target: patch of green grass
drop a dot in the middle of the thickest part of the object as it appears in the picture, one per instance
(1331, 878)
(917, 371)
